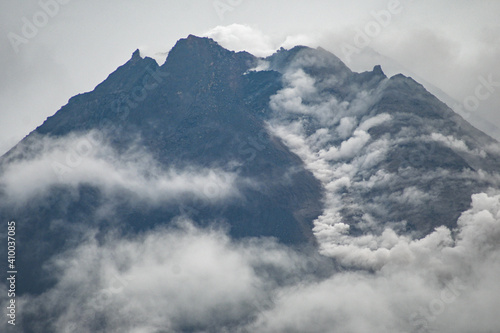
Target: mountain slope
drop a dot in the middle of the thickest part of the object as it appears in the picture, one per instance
(306, 151)
(389, 154)
(152, 143)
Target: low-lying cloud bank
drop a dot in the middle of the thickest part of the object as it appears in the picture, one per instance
(184, 278)
(87, 159)
(188, 279)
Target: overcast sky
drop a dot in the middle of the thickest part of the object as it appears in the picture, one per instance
(453, 45)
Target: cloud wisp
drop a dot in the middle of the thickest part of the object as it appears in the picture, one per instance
(73, 160)
(186, 278)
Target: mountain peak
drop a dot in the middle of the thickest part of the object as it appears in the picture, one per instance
(195, 48)
(192, 41)
(378, 70)
(198, 39)
(316, 61)
(136, 54)
(181, 161)
(202, 58)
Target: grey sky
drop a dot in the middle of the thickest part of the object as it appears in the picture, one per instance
(450, 44)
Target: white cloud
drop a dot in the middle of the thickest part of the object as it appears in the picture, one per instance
(467, 40)
(374, 121)
(185, 277)
(238, 37)
(301, 39)
(346, 126)
(83, 159)
(409, 293)
(262, 65)
(426, 285)
(456, 144)
(343, 156)
(348, 148)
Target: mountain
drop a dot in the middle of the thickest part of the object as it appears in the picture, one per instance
(394, 153)
(199, 112)
(370, 56)
(305, 151)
